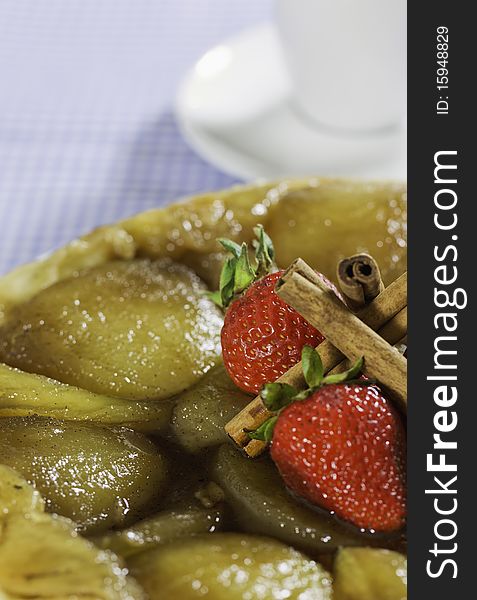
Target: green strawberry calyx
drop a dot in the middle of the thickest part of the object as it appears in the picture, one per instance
(238, 271)
(277, 396)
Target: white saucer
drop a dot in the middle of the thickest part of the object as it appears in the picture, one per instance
(235, 108)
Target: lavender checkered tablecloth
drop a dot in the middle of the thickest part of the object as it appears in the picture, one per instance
(87, 134)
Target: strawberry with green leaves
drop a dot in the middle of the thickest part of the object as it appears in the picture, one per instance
(262, 336)
(339, 445)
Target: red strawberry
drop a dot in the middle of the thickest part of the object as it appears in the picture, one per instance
(343, 448)
(262, 336)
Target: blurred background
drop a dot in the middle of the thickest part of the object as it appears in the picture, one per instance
(111, 107)
(87, 132)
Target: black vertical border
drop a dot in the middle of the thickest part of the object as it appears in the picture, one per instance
(427, 134)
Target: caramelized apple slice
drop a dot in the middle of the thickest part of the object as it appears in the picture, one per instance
(370, 574)
(263, 505)
(228, 565)
(42, 556)
(137, 329)
(27, 394)
(98, 477)
(200, 413)
(160, 529)
(16, 495)
(325, 222)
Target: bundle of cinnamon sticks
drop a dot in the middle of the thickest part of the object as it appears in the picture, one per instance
(371, 324)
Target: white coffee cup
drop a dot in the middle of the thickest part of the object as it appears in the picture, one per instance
(347, 61)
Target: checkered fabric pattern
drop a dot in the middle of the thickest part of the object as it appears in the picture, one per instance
(87, 132)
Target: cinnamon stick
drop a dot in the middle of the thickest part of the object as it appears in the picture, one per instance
(375, 314)
(320, 307)
(359, 279)
(394, 332)
(388, 304)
